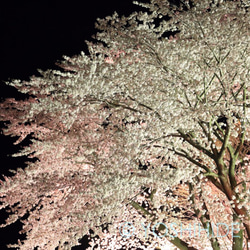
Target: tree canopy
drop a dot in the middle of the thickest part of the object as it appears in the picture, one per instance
(151, 126)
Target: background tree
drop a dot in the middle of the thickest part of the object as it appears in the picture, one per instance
(157, 110)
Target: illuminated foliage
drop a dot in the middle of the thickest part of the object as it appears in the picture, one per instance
(151, 127)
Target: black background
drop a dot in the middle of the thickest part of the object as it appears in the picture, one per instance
(36, 34)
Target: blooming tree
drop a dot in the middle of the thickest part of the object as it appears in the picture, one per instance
(149, 130)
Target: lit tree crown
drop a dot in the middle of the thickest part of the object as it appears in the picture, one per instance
(162, 99)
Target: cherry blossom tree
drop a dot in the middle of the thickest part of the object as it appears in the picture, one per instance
(149, 130)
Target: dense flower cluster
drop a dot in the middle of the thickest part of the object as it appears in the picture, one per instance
(154, 122)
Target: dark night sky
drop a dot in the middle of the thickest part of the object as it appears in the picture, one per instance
(36, 34)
